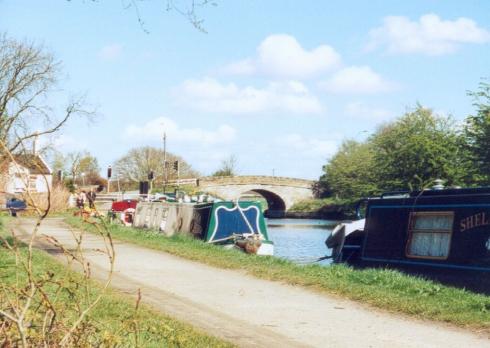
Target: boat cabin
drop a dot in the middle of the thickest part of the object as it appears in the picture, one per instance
(440, 232)
(224, 223)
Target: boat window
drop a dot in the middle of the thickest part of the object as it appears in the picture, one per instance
(429, 235)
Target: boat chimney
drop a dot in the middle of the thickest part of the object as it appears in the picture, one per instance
(439, 184)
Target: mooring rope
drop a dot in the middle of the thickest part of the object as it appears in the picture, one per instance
(311, 260)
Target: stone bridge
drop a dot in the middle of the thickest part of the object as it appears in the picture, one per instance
(281, 193)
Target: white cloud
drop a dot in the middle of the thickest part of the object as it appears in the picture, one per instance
(282, 56)
(361, 110)
(242, 67)
(357, 80)
(309, 147)
(429, 35)
(154, 129)
(210, 95)
(110, 52)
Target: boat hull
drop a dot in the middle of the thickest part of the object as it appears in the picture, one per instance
(216, 223)
(441, 234)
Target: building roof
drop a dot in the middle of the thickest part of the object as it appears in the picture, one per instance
(34, 163)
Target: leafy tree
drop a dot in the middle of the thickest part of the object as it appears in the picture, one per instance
(406, 154)
(58, 162)
(419, 147)
(75, 164)
(138, 162)
(227, 168)
(349, 174)
(88, 163)
(477, 134)
(82, 163)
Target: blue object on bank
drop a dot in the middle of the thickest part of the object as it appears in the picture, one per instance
(15, 205)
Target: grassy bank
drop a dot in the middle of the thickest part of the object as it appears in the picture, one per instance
(112, 320)
(325, 207)
(386, 289)
(312, 205)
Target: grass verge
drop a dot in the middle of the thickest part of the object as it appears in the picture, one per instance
(386, 289)
(326, 207)
(312, 205)
(115, 314)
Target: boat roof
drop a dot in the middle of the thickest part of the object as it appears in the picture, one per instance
(435, 192)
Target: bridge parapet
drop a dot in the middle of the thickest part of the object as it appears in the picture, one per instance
(255, 180)
(280, 192)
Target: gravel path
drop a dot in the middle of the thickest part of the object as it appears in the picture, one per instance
(247, 311)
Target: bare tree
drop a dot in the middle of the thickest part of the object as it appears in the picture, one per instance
(228, 167)
(189, 9)
(137, 164)
(28, 73)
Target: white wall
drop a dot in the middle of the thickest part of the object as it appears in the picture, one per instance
(18, 177)
(44, 183)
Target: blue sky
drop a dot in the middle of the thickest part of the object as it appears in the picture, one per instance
(278, 84)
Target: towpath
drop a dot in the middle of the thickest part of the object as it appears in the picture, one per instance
(247, 311)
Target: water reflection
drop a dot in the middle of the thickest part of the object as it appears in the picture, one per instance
(300, 240)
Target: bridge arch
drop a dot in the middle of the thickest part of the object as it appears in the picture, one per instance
(276, 206)
(280, 192)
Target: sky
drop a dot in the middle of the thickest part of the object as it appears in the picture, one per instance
(277, 84)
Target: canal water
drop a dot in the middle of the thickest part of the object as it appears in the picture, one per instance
(300, 240)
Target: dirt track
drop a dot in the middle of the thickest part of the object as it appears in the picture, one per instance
(251, 312)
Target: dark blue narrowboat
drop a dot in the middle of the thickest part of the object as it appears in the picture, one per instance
(441, 233)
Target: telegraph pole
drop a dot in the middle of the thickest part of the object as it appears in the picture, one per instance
(164, 162)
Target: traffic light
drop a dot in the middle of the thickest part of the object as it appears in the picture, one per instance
(176, 166)
(143, 187)
(109, 172)
(151, 175)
